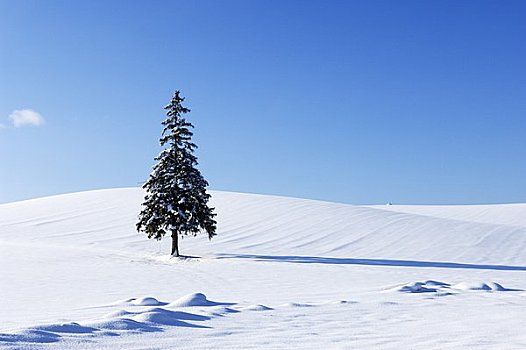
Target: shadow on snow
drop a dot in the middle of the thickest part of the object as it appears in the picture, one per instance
(369, 262)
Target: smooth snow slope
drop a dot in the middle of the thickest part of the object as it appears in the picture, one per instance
(262, 225)
(501, 214)
(77, 257)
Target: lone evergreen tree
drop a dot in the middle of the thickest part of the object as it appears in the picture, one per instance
(176, 200)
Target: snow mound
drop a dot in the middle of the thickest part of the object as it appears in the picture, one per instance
(72, 327)
(436, 283)
(472, 286)
(122, 324)
(194, 299)
(221, 311)
(147, 301)
(431, 286)
(298, 305)
(30, 336)
(165, 317)
(119, 322)
(483, 286)
(144, 301)
(417, 287)
(257, 307)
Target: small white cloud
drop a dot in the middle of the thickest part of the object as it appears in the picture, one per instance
(2, 126)
(25, 117)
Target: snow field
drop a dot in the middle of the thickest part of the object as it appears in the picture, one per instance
(282, 273)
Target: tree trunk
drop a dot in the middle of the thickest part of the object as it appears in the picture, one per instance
(175, 244)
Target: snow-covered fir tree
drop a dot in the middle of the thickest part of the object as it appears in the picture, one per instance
(176, 200)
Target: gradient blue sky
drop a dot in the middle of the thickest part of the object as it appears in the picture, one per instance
(349, 101)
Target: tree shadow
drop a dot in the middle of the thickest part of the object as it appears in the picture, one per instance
(369, 262)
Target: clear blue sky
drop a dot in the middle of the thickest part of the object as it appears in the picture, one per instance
(349, 101)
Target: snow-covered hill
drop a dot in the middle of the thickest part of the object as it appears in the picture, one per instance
(76, 257)
(258, 224)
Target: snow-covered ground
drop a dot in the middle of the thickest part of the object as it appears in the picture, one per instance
(282, 273)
